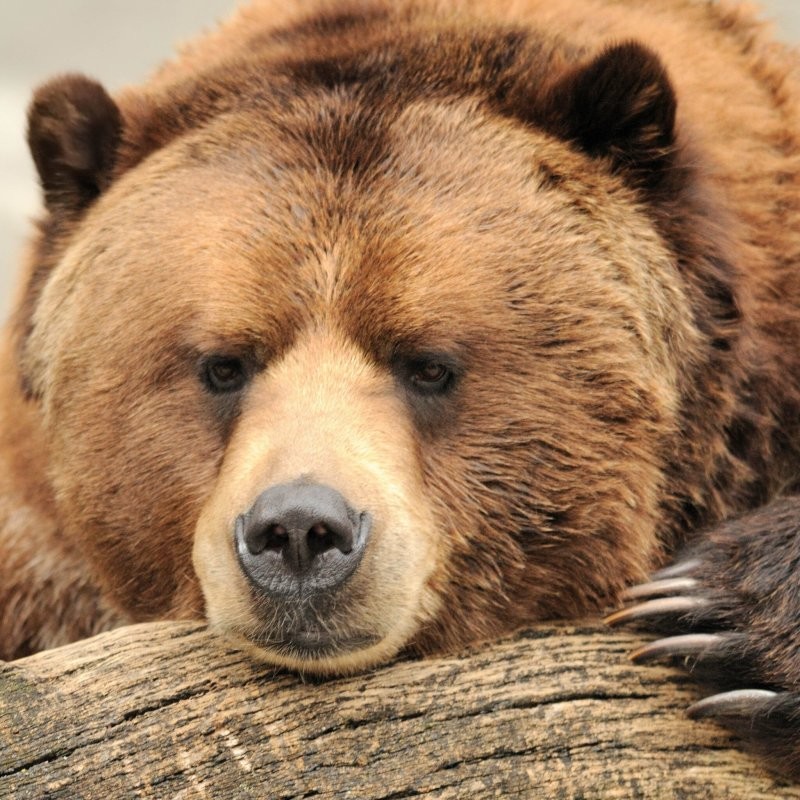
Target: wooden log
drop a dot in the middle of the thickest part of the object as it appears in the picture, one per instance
(170, 710)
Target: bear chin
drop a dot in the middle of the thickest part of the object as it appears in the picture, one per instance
(318, 655)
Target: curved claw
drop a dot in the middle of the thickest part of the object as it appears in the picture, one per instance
(679, 570)
(738, 703)
(654, 608)
(657, 588)
(690, 644)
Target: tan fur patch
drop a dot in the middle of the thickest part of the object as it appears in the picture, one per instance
(323, 414)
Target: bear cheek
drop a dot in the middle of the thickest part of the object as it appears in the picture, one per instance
(130, 486)
(324, 417)
(149, 472)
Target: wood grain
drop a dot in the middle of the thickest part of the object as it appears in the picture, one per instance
(170, 710)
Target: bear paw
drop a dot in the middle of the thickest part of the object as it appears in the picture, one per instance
(730, 609)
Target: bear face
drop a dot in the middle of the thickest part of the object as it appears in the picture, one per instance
(337, 298)
(447, 323)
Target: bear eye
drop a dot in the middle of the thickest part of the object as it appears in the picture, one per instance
(224, 374)
(429, 376)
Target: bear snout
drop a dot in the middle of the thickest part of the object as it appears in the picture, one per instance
(300, 540)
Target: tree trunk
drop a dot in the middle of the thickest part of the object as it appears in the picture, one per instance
(170, 710)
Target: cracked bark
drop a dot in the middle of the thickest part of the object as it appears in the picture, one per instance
(170, 710)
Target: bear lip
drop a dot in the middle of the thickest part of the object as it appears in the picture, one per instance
(311, 644)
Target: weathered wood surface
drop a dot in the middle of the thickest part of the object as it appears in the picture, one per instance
(172, 711)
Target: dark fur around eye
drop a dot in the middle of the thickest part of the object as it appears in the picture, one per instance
(223, 374)
(429, 375)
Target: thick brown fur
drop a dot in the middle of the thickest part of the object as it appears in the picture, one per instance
(588, 208)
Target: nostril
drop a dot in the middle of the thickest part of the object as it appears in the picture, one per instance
(268, 537)
(320, 539)
(276, 537)
(323, 537)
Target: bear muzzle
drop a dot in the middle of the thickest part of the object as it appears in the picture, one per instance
(298, 545)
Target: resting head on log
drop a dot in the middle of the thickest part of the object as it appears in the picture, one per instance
(392, 330)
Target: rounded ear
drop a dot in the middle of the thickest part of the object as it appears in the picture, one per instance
(74, 129)
(620, 104)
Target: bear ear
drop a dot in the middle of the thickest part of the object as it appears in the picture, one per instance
(74, 129)
(621, 105)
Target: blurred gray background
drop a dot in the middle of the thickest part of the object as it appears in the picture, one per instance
(117, 42)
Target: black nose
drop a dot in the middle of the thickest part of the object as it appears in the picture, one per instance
(300, 538)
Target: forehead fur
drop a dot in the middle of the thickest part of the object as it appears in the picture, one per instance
(460, 227)
(383, 66)
(319, 126)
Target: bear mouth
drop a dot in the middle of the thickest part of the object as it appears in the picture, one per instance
(322, 644)
(313, 645)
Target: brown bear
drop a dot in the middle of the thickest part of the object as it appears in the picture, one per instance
(374, 325)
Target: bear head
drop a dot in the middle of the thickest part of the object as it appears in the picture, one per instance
(375, 348)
